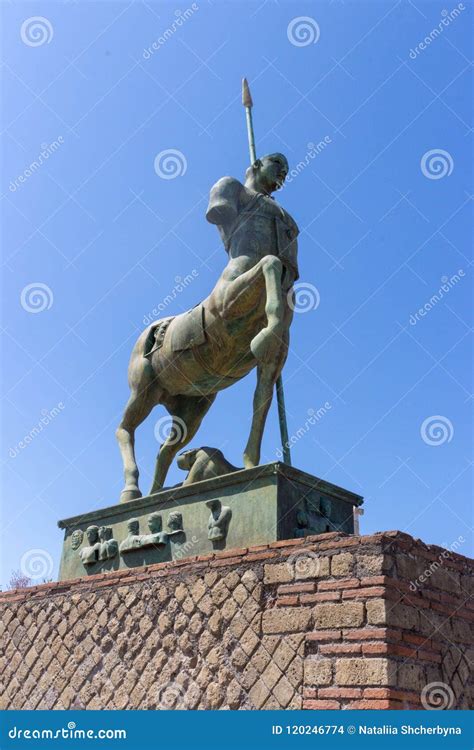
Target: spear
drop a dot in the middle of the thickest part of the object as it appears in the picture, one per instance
(248, 104)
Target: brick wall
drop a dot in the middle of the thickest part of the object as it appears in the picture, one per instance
(331, 621)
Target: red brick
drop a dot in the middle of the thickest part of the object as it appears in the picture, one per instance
(377, 692)
(232, 552)
(429, 656)
(367, 634)
(364, 593)
(373, 538)
(259, 556)
(226, 561)
(346, 583)
(315, 705)
(296, 588)
(375, 648)
(341, 648)
(349, 541)
(283, 543)
(375, 704)
(445, 609)
(399, 695)
(404, 651)
(388, 648)
(392, 693)
(448, 599)
(310, 692)
(415, 601)
(287, 601)
(418, 640)
(465, 614)
(339, 692)
(328, 535)
(432, 595)
(199, 566)
(374, 580)
(385, 581)
(330, 596)
(157, 566)
(324, 635)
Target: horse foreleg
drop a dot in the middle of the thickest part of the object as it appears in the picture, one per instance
(187, 415)
(138, 408)
(267, 343)
(266, 378)
(267, 375)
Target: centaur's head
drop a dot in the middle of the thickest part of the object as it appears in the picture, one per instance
(267, 174)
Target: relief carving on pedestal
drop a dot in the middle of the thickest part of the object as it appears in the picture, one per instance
(314, 517)
(100, 546)
(76, 538)
(219, 520)
(133, 540)
(157, 537)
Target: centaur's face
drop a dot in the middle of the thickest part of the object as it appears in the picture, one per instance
(272, 172)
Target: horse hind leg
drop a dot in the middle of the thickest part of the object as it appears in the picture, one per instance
(136, 411)
(187, 413)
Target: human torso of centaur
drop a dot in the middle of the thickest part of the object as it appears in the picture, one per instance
(214, 344)
(252, 225)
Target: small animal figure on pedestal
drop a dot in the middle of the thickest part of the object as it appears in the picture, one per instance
(204, 463)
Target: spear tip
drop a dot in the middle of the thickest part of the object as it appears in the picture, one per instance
(246, 97)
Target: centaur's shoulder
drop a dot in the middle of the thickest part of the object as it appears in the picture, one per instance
(227, 183)
(224, 200)
(227, 186)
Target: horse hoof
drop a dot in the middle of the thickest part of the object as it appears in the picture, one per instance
(249, 463)
(127, 495)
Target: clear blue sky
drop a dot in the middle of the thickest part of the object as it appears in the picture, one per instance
(108, 237)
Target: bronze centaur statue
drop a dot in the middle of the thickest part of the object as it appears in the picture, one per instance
(184, 361)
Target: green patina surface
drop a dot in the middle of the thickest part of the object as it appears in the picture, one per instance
(267, 503)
